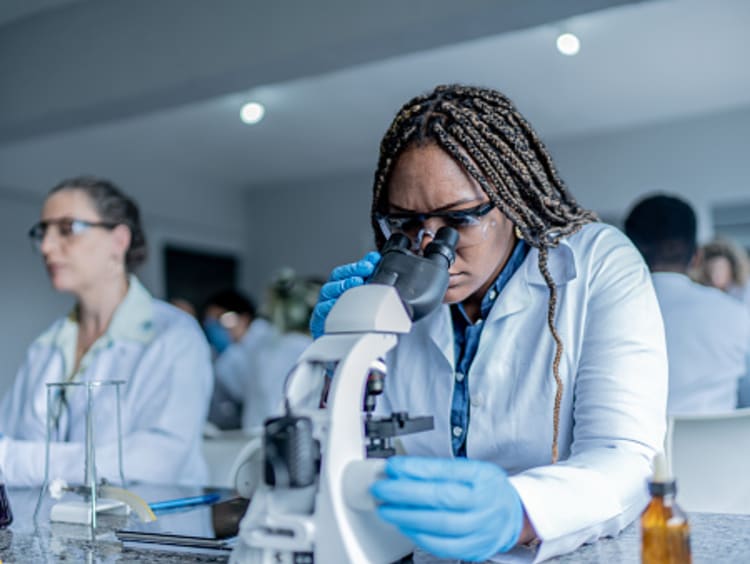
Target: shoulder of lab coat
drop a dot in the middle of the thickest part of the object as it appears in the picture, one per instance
(164, 405)
(614, 372)
(233, 366)
(263, 389)
(708, 341)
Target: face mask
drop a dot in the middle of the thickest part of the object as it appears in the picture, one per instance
(217, 335)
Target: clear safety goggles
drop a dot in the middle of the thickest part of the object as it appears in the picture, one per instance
(67, 228)
(470, 223)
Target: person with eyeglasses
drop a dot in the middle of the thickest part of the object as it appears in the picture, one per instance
(545, 369)
(91, 240)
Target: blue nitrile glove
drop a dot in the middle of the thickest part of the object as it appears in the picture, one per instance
(217, 335)
(451, 508)
(342, 278)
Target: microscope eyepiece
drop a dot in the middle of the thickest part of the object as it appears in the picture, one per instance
(421, 281)
(397, 242)
(443, 246)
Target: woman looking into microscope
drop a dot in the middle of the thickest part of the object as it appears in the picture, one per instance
(545, 369)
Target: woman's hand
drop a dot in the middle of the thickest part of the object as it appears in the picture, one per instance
(452, 508)
(342, 278)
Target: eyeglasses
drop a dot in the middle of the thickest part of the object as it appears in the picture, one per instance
(467, 222)
(66, 228)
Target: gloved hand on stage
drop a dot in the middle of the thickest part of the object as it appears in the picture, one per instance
(342, 278)
(452, 508)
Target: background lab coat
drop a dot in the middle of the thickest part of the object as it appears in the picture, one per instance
(163, 406)
(255, 371)
(708, 336)
(614, 370)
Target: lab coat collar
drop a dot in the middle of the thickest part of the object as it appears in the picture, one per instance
(515, 297)
(133, 320)
(561, 263)
(671, 278)
(134, 317)
(517, 294)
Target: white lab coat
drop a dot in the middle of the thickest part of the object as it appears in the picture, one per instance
(162, 355)
(708, 337)
(614, 372)
(255, 369)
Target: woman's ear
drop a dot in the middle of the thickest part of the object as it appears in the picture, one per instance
(122, 236)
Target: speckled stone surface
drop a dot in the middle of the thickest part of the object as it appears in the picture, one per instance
(24, 542)
(715, 539)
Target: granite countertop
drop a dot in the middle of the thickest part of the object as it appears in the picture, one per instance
(24, 541)
(715, 538)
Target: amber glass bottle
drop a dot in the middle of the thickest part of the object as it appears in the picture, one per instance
(665, 532)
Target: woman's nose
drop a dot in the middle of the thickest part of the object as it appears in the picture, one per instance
(49, 241)
(426, 235)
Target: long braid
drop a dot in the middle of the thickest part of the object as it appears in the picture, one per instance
(482, 130)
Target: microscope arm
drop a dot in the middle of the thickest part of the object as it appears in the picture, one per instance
(374, 310)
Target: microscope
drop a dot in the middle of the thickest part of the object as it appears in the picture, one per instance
(309, 475)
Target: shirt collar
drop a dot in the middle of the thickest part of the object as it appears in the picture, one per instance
(514, 262)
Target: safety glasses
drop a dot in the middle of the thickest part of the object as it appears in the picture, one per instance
(67, 228)
(467, 222)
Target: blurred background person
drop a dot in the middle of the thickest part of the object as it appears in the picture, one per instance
(234, 331)
(91, 239)
(289, 303)
(707, 331)
(724, 265)
(184, 305)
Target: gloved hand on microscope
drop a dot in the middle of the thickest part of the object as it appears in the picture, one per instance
(451, 508)
(342, 278)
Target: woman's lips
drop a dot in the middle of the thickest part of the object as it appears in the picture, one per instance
(53, 268)
(453, 279)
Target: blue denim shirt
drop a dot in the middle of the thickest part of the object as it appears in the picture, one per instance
(466, 340)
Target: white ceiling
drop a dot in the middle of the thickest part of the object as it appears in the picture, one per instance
(14, 10)
(639, 63)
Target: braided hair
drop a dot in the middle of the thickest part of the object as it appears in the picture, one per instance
(483, 132)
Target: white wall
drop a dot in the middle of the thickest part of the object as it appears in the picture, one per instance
(702, 159)
(27, 302)
(315, 225)
(310, 226)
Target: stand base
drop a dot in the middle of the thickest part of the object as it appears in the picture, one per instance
(80, 511)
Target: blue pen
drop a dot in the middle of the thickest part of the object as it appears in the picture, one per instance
(206, 499)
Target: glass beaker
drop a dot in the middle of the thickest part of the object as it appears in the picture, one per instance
(58, 394)
(6, 515)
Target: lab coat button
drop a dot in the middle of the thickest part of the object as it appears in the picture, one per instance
(459, 376)
(477, 400)
(457, 431)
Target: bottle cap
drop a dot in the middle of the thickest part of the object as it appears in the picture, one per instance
(661, 469)
(661, 482)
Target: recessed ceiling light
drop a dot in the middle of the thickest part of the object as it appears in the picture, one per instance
(568, 44)
(252, 112)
